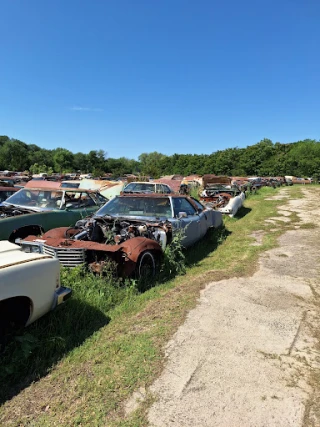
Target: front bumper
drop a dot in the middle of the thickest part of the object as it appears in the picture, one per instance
(61, 295)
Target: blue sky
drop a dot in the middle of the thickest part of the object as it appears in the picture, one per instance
(171, 76)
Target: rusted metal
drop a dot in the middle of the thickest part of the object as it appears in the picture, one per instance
(42, 184)
(9, 188)
(174, 184)
(125, 254)
(215, 179)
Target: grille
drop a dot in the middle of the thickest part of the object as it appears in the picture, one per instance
(67, 257)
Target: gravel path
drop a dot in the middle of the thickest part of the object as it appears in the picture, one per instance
(246, 355)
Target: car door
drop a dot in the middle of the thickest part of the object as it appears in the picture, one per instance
(74, 205)
(204, 217)
(188, 220)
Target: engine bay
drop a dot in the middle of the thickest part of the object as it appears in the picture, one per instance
(9, 211)
(114, 231)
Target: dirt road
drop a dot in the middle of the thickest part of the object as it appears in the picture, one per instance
(248, 354)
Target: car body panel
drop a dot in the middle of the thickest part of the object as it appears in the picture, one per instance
(31, 275)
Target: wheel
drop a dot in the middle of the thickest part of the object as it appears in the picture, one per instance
(146, 268)
(4, 325)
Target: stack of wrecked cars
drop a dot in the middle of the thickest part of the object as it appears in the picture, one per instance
(220, 194)
(131, 229)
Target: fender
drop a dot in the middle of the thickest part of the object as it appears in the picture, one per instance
(25, 231)
(136, 246)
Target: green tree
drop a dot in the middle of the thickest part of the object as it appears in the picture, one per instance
(63, 160)
(14, 155)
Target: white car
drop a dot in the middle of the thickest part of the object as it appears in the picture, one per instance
(29, 286)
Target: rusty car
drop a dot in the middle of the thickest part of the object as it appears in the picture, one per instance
(131, 230)
(219, 193)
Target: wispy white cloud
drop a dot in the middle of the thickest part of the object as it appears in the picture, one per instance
(78, 108)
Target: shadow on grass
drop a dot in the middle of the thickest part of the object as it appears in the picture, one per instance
(242, 212)
(213, 238)
(33, 351)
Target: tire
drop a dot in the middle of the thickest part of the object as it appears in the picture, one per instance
(4, 325)
(146, 266)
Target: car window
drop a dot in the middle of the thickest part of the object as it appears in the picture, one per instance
(77, 200)
(180, 204)
(166, 189)
(198, 204)
(99, 198)
(35, 198)
(159, 188)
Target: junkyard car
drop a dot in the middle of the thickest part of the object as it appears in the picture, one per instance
(147, 187)
(29, 286)
(219, 193)
(131, 230)
(6, 192)
(33, 211)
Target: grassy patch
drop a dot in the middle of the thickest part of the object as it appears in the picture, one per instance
(113, 340)
(308, 226)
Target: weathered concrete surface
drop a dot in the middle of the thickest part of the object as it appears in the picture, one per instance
(245, 354)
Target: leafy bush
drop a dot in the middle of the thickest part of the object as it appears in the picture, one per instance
(174, 258)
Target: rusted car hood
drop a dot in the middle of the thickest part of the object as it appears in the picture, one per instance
(214, 179)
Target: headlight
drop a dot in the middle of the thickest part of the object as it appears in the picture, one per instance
(31, 248)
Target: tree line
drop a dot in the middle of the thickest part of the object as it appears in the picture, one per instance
(301, 158)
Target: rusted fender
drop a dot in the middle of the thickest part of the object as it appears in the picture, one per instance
(137, 245)
(133, 248)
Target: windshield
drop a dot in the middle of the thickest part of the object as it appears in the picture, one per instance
(139, 187)
(36, 198)
(137, 207)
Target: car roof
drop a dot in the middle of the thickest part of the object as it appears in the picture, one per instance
(9, 188)
(154, 195)
(77, 190)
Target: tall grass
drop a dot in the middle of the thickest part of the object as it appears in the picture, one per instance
(33, 351)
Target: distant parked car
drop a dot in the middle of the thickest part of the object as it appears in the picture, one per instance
(29, 287)
(132, 230)
(147, 187)
(34, 211)
(6, 192)
(222, 194)
(70, 184)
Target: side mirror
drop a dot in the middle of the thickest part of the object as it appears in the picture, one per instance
(182, 215)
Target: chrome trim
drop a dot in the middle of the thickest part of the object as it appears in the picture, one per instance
(68, 257)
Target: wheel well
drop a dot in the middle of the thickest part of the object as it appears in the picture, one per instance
(27, 230)
(16, 310)
(156, 254)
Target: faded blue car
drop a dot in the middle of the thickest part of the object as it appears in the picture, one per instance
(183, 212)
(131, 230)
